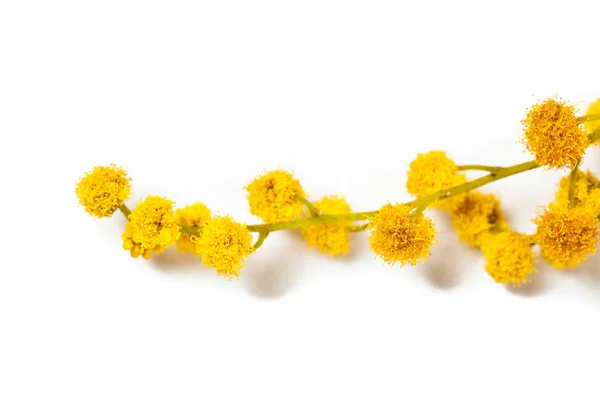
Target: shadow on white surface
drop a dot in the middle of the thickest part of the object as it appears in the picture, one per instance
(589, 270)
(172, 262)
(449, 262)
(446, 267)
(588, 274)
(540, 283)
(359, 246)
(275, 268)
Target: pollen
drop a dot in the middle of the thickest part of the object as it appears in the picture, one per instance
(194, 215)
(399, 237)
(508, 257)
(224, 245)
(273, 196)
(553, 134)
(586, 194)
(431, 172)
(151, 227)
(567, 236)
(594, 108)
(103, 190)
(332, 239)
(475, 214)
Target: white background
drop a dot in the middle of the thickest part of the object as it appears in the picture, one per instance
(194, 99)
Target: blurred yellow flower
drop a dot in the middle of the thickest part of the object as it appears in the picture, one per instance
(586, 194)
(509, 258)
(224, 245)
(594, 125)
(475, 214)
(273, 196)
(190, 216)
(332, 239)
(431, 172)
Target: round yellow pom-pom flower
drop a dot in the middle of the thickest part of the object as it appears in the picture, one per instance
(586, 195)
(509, 258)
(553, 134)
(273, 196)
(151, 227)
(103, 190)
(567, 236)
(431, 172)
(190, 216)
(475, 214)
(594, 125)
(332, 239)
(224, 245)
(399, 237)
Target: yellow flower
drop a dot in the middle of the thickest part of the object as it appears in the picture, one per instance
(103, 190)
(397, 236)
(190, 216)
(553, 134)
(224, 245)
(332, 239)
(509, 258)
(586, 195)
(594, 125)
(151, 227)
(272, 196)
(477, 213)
(431, 172)
(135, 249)
(567, 236)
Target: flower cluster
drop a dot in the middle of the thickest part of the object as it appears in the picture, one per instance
(399, 233)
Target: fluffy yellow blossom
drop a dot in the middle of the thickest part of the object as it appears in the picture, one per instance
(332, 239)
(190, 216)
(594, 125)
(103, 190)
(509, 258)
(273, 196)
(431, 172)
(586, 195)
(567, 236)
(224, 245)
(475, 214)
(398, 237)
(151, 227)
(553, 134)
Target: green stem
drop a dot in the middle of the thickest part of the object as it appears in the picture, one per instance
(418, 211)
(261, 239)
(474, 184)
(361, 216)
(477, 167)
(190, 229)
(572, 182)
(313, 210)
(586, 118)
(594, 136)
(125, 210)
(302, 223)
(358, 228)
